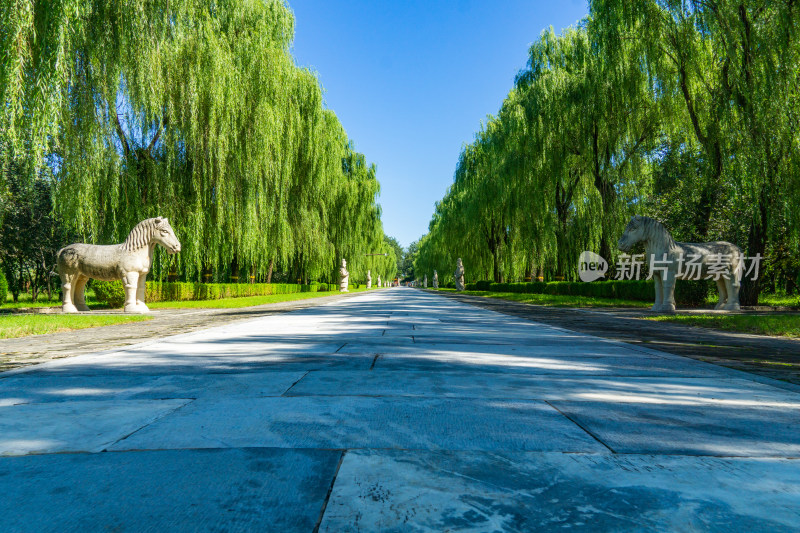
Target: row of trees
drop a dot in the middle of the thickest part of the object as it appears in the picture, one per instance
(684, 110)
(191, 110)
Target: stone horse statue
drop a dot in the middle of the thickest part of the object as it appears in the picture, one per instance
(344, 277)
(685, 260)
(459, 275)
(129, 261)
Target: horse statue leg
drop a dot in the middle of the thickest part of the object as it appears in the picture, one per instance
(78, 286)
(668, 292)
(66, 292)
(141, 290)
(130, 283)
(723, 294)
(732, 284)
(659, 293)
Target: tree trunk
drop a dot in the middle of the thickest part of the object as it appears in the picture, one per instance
(496, 268)
(756, 246)
(269, 272)
(235, 270)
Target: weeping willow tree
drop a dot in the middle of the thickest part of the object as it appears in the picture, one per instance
(553, 173)
(727, 75)
(191, 110)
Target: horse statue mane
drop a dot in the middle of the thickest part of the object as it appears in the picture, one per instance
(657, 236)
(142, 233)
(684, 260)
(129, 261)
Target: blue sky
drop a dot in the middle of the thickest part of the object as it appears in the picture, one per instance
(412, 80)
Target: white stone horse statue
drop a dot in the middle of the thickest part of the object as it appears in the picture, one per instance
(459, 275)
(685, 260)
(129, 261)
(344, 277)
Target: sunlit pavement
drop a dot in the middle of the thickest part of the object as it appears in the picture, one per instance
(397, 410)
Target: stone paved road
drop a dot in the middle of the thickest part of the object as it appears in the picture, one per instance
(395, 411)
(773, 357)
(23, 351)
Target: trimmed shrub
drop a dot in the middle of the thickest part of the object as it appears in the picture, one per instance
(691, 293)
(3, 288)
(182, 291)
(110, 293)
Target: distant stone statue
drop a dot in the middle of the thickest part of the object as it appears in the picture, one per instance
(435, 280)
(425, 281)
(369, 279)
(684, 260)
(129, 261)
(459, 275)
(379, 281)
(344, 277)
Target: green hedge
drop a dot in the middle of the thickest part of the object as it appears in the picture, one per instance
(686, 292)
(177, 291)
(111, 292)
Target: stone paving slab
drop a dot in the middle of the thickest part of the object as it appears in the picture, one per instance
(651, 390)
(176, 491)
(50, 388)
(526, 347)
(553, 365)
(397, 491)
(76, 426)
(205, 358)
(773, 357)
(359, 422)
(209, 365)
(720, 430)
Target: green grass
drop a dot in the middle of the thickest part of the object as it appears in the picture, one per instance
(779, 300)
(554, 300)
(246, 301)
(776, 325)
(22, 325)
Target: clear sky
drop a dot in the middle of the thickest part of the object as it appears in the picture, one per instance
(411, 81)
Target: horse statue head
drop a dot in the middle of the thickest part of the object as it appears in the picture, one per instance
(643, 229)
(153, 230)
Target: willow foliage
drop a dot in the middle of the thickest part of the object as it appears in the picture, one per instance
(191, 110)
